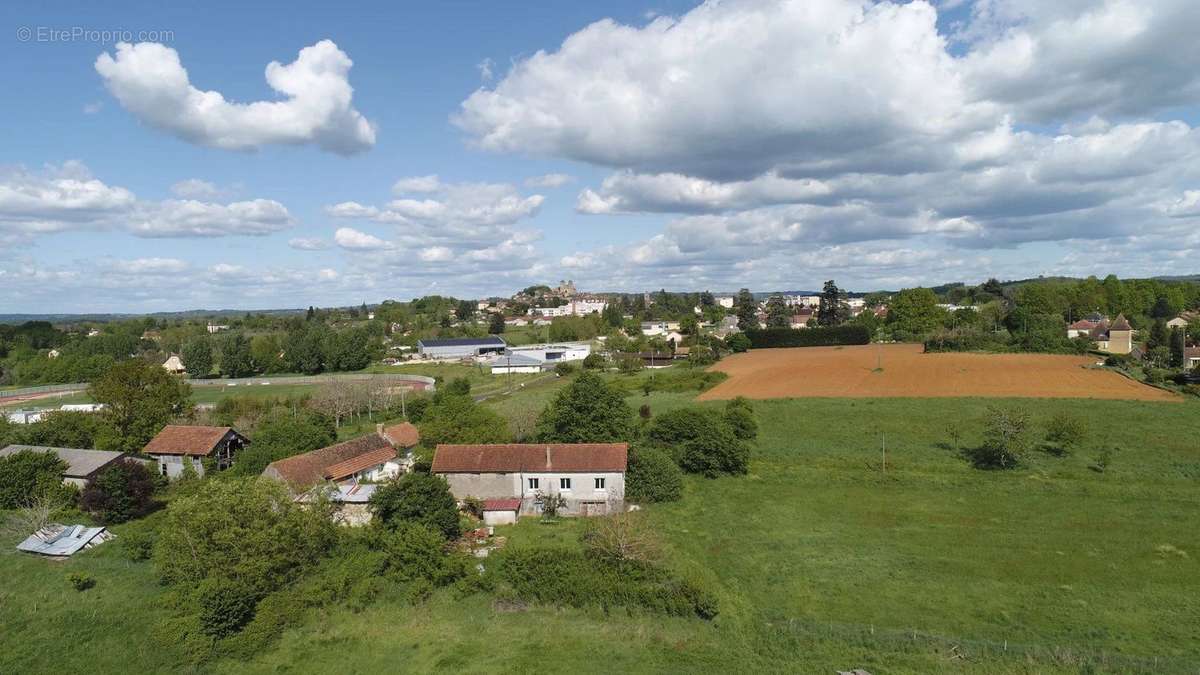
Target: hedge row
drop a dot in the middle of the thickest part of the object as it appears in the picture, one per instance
(824, 336)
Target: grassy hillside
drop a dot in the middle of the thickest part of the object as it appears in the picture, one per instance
(822, 560)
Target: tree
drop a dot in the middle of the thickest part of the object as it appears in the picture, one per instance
(303, 350)
(652, 476)
(593, 361)
(914, 312)
(621, 538)
(1005, 439)
(830, 310)
(586, 411)
(236, 359)
(281, 434)
(120, 492)
(1065, 432)
(28, 475)
(197, 356)
(419, 498)
(746, 309)
(777, 312)
(458, 419)
(265, 351)
(1158, 335)
(738, 342)
(60, 429)
(139, 399)
(1178, 347)
(496, 323)
(701, 442)
(248, 531)
(464, 310)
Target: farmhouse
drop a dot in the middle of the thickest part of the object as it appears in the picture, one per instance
(459, 348)
(590, 477)
(1191, 358)
(81, 464)
(176, 446)
(368, 458)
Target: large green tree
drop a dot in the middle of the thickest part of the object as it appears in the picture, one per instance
(586, 411)
(197, 356)
(283, 433)
(139, 399)
(456, 418)
(746, 309)
(777, 312)
(236, 358)
(831, 311)
(914, 312)
(419, 498)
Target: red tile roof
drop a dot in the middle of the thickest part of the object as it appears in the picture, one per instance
(535, 457)
(308, 469)
(513, 504)
(1082, 324)
(352, 466)
(403, 435)
(186, 440)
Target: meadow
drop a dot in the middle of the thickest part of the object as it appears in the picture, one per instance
(829, 555)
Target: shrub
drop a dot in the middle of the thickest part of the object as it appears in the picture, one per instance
(225, 606)
(1005, 439)
(27, 474)
(822, 336)
(628, 365)
(1065, 432)
(456, 418)
(414, 552)
(473, 506)
(593, 361)
(621, 538)
(138, 546)
(459, 386)
(81, 581)
(739, 414)
(415, 408)
(563, 369)
(419, 498)
(738, 342)
(652, 476)
(119, 493)
(701, 441)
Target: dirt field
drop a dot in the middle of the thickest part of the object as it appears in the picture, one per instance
(904, 371)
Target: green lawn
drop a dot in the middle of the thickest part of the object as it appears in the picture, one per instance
(822, 560)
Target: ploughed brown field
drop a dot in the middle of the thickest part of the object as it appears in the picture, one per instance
(904, 370)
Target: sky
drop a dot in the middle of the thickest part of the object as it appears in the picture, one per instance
(159, 157)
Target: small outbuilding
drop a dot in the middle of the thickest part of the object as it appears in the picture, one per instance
(81, 464)
(174, 365)
(177, 445)
(501, 511)
(64, 541)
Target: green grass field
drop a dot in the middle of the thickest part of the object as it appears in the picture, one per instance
(822, 560)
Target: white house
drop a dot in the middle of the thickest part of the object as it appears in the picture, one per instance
(580, 305)
(174, 365)
(725, 301)
(589, 477)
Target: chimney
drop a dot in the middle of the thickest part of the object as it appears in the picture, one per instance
(379, 430)
(549, 467)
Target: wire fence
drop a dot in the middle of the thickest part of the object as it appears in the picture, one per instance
(428, 383)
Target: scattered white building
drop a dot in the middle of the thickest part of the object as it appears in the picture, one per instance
(215, 328)
(174, 365)
(504, 364)
(725, 301)
(580, 305)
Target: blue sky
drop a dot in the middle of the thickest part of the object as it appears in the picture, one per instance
(762, 144)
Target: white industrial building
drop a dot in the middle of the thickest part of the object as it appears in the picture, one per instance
(535, 358)
(459, 348)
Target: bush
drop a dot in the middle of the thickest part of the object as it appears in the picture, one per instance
(569, 577)
(562, 369)
(823, 336)
(1005, 439)
(414, 552)
(81, 581)
(628, 365)
(418, 498)
(701, 441)
(27, 474)
(225, 606)
(138, 546)
(593, 361)
(456, 418)
(119, 493)
(652, 476)
(1065, 432)
(621, 538)
(739, 415)
(738, 342)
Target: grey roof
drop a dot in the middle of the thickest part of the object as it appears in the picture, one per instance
(514, 359)
(489, 341)
(80, 463)
(57, 540)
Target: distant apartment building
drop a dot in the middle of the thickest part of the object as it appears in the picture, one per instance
(581, 305)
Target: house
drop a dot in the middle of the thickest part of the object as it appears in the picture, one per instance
(369, 458)
(174, 365)
(351, 503)
(590, 477)
(652, 328)
(1183, 320)
(1191, 358)
(802, 316)
(725, 301)
(459, 348)
(177, 445)
(1083, 327)
(514, 362)
(1114, 338)
(81, 464)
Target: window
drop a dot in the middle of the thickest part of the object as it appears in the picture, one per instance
(599, 483)
(564, 483)
(533, 483)
(163, 466)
